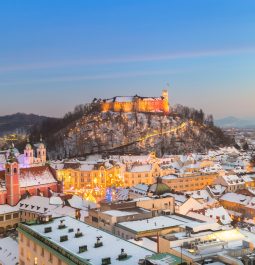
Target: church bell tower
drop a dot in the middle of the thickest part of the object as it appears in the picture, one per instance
(12, 179)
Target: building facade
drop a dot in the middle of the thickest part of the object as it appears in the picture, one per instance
(190, 182)
(137, 104)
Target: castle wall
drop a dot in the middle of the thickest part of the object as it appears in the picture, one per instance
(139, 105)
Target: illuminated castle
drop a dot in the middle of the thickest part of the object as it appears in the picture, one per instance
(137, 104)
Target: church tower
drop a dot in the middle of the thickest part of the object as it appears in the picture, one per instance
(41, 152)
(166, 107)
(12, 179)
(28, 154)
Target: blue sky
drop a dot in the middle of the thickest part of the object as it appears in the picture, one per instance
(57, 54)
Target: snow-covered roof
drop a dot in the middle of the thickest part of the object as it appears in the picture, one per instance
(35, 176)
(169, 177)
(79, 203)
(112, 245)
(140, 188)
(48, 206)
(159, 222)
(201, 194)
(217, 189)
(141, 168)
(123, 99)
(5, 208)
(219, 213)
(117, 213)
(247, 201)
(233, 179)
(146, 243)
(9, 251)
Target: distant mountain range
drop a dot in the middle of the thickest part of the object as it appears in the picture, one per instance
(233, 122)
(19, 123)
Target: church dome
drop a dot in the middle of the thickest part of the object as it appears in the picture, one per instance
(11, 157)
(159, 188)
(28, 146)
(41, 146)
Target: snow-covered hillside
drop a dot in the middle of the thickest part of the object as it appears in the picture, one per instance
(134, 133)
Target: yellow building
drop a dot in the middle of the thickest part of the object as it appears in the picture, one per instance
(90, 176)
(190, 182)
(141, 174)
(82, 176)
(9, 218)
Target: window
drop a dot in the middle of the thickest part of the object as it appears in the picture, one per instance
(59, 262)
(94, 219)
(35, 261)
(1, 218)
(28, 256)
(42, 252)
(22, 251)
(34, 246)
(50, 258)
(16, 215)
(8, 217)
(28, 242)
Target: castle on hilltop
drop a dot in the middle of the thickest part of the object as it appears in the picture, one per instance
(137, 104)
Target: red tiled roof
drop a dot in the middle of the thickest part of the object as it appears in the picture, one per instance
(39, 170)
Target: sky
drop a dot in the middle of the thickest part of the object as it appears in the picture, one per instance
(58, 54)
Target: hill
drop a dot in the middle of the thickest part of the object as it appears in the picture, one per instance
(233, 122)
(19, 123)
(91, 131)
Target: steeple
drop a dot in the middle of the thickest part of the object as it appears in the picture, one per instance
(28, 154)
(12, 178)
(12, 158)
(41, 151)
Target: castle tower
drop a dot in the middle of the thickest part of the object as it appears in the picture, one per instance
(41, 152)
(12, 179)
(29, 154)
(166, 107)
